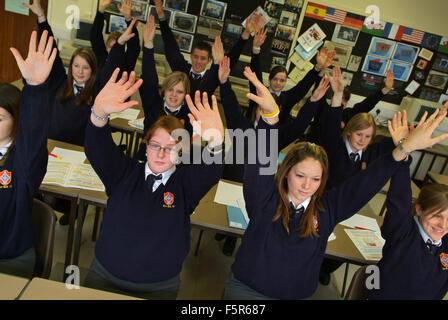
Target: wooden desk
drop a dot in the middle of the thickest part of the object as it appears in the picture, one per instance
(437, 178)
(414, 189)
(11, 286)
(43, 289)
(70, 194)
(132, 134)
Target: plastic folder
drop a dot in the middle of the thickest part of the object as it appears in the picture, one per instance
(235, 218)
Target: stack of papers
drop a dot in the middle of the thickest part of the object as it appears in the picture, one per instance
(370, 244)
(232, 196)
(128, 114)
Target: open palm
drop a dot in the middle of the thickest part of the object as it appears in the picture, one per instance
(37, 66)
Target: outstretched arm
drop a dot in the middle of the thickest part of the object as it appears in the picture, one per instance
(31, 137)
(175, 58)
(96, 33)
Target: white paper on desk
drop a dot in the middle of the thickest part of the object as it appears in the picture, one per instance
(361, 221)
(370, 244)
(331, 237)
(128, 114)
(137, 123)
(228, 194)
(68, 155)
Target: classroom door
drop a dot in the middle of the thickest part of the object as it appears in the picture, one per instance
(15, 32)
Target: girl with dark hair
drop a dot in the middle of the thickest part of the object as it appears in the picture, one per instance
(23, 154)
(291, 216)
(145, 234)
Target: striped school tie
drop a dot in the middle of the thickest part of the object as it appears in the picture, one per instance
(150, 179)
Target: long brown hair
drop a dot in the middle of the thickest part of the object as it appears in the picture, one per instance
(10, 101)
(298, 153)
(86, 95)
(433, 198)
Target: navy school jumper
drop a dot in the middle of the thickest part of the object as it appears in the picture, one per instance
(341, 167)
(319, 124)
(68, 121)
(287, 266)
(177, 62)
(408, 270)
(145, 236)
(99, 47)
(22, 172)
(288, 98)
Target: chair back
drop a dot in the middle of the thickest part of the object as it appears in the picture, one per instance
(357, 289)
(44, 221)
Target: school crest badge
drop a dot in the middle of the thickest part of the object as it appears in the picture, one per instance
(316, 223)
(5, 177)
(168, 198)
(444, 260)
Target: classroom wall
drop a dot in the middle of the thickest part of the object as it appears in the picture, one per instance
(428, 15)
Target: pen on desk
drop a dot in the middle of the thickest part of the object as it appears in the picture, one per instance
(361, 228)
(55, 156)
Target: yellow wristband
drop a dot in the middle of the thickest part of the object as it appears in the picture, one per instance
(271, 115)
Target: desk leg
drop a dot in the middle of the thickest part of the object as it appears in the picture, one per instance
(71, 227)
(198, 243)
(345, 279)
(81, 216)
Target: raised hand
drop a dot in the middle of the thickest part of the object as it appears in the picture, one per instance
(149, 32)
(204, 119)
(398, 127)
(263, 97)
(421, 137)
(114, 94)
(252, 26)
(388, 82)
(37, 9)
(320, 91)
(159, 8)
(37, 66)
(217, 50)
(259, 38)
(445, 107)
(125, 9)
(128, 34)
(337, 85)
(103, 5)
(324, 58)
(224, 70)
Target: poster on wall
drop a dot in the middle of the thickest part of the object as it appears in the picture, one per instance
(311, 38)
(381, 47)
(342, 55)
(184, 21)
(345, 35)
(375, 65)
(213, 9)
(181, 5)
(436, 79)
(405, 53)
(401, 71)
(441, 63)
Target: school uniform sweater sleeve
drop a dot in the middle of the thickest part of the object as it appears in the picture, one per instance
(291, 131)
(295, 94)
(149, 90)
(132, 50)
(364, 106)
(200, 178)
(57, 75)
(350, 196)
(331, 134)
(96, 39)
(258, 183)
(255, 67)
(31, 140)
(107, 160)
(175, 58)
(232, 111)
(398, 221)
